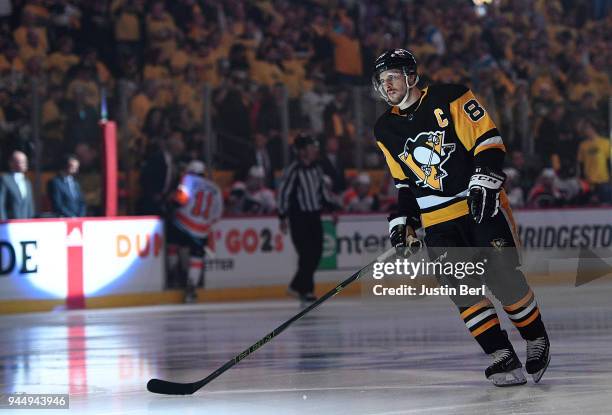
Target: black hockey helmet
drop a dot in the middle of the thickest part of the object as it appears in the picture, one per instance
(393, 59)
(302, 140)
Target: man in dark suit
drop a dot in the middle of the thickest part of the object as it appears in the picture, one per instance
(16, 200)
(64, 191)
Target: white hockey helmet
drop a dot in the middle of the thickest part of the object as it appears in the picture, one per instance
(196, 167)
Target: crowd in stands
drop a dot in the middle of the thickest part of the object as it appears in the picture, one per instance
(540, 67)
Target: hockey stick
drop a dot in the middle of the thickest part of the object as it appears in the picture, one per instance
(174, 388)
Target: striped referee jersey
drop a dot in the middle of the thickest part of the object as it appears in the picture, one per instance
(302, 190)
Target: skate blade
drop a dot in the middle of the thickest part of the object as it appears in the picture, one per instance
(515, 377)
(538, 375)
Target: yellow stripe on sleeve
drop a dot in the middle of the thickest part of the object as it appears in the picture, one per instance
(444, 214)
(482, 148)
(394, 167)
(470, 118)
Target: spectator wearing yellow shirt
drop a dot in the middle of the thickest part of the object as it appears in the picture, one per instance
(127, 18)
(597, 71)
(594, 161)
(220, 42)
(347, 53)
(166, 95)
(143, 101)
(127, 22)
(179, 60)
(34, 47)
(206, 64)
(53, 123)
(52, 116)
(161, 30)
(83, 85)
(37, 9)
(581, 84)
(294, 72)
(64, 58)
(266, 69)
(10, 62)
(155, 67)
(191, 94)
(423, 49)
(29, 25)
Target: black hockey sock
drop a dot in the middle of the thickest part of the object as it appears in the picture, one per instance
(482, 321)
(525, 315)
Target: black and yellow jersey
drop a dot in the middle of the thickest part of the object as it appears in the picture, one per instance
(433, 147)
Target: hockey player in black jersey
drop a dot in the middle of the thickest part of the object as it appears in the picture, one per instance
(445, 155)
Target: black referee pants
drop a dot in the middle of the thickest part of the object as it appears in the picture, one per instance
(307, 237)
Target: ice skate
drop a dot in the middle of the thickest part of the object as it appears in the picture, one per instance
(538, 357)
(506, 369)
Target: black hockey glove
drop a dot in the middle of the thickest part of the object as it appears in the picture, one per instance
(483, 193)
(402, 236)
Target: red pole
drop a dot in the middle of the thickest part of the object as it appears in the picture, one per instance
(109, 136)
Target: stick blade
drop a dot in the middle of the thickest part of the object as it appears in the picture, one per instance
(170, 388)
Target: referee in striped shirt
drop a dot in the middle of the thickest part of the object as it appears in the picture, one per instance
(301, 199)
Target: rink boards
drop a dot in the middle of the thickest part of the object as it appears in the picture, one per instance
(49, 263)
(104, 262)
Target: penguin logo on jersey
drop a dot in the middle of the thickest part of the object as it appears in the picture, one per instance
(498, 244)
(425, 155)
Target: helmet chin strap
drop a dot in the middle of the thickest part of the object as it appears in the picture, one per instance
(404, 102)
